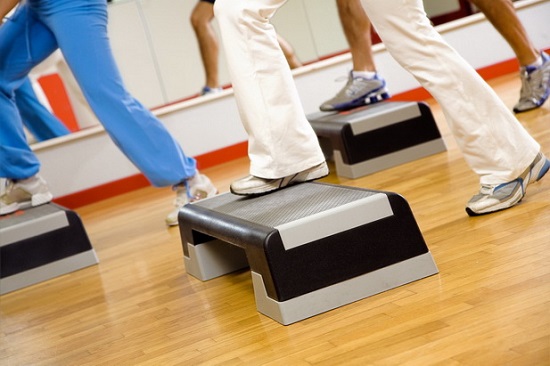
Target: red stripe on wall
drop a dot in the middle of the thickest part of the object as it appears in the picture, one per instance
(224, 155)
(102, 192)
(502, 68)
(59, 100)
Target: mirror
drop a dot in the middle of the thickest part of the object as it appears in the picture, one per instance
(158, 56)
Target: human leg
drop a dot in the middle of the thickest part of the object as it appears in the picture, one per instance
(80, 29)
(18, 164)
(40, 122)
(281, 140)
(289, 53)
(535, 65)
(201, 19)
(493, 142)
(139, 135)
(502, 15)
(357, 29)
(364, 85)
(17, 58)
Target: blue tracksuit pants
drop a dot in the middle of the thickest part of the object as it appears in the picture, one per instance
(79, 29)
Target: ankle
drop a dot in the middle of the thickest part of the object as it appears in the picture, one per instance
(537, 63)
(364, 74)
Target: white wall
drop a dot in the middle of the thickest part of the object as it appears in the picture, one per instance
(156, 48)
(87, 159)
(157, 51)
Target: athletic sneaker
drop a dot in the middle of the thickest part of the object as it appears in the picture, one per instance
(190, 190)
(357, 92)
(254, 186)
(535, 85)
(498, 197)
(25, 193)
(208, 90)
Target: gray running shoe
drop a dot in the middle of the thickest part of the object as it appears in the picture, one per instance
(535, 86)
(253, 186)
(357, 92)
(498, 197)
(191, 190)
(25, 193)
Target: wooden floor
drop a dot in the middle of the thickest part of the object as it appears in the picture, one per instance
(489, 305)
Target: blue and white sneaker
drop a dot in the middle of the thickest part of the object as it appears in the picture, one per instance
(357, 92)
(498, 197)
(535, 85)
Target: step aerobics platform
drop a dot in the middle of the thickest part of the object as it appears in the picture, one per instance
(368, 139)
(41, 243)
(311, 248)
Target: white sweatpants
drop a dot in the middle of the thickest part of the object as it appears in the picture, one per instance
(281, 140)
(493, 142)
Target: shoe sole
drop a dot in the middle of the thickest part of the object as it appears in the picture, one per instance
(6, 210)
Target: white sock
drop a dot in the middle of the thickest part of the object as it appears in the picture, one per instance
(364, 74)
(537, 63)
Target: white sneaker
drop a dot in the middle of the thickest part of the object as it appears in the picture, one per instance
(535, 86)
(190, 190)
(492, 198)
(25, 193)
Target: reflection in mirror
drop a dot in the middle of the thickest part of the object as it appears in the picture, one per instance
(159, 57)
(38, 122)
(55, 104)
